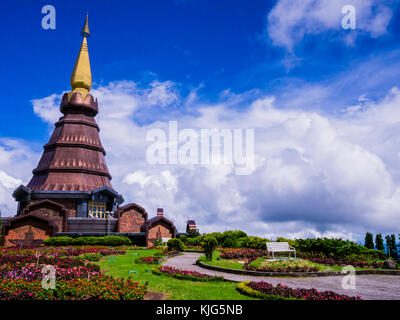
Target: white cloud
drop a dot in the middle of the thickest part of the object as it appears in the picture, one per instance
(44, 108)
(17, 159)
(290, 21)
(315, 174)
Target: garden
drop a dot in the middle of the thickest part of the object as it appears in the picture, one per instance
(313, 255)
(110, 268)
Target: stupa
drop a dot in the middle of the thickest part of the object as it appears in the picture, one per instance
(70, 193)
(72, 170)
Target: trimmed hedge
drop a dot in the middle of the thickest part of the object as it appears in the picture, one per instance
(175, 245)
(90, 241)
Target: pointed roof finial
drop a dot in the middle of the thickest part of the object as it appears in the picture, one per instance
(85, 30)
(81, 78)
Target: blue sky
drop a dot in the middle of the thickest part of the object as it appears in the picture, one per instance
(220, 44)
(323, 102)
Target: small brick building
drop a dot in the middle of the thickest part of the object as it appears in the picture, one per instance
(70, 193)
(158, 228)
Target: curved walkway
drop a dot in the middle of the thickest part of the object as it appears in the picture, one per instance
(369, 287)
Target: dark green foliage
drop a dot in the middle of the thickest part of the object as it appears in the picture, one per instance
(193, 234)
(291, 242)
(58, 241)
(252, 243)
(391, 247)
(230, 243)
(209, 243)
(335, 248)
(183, 239)
(228, 239)
(88, 241)
(233, 239)
(193, 241)
(369, 240)
(175, 245)
(379, 242)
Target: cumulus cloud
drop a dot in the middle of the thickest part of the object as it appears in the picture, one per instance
(314, 175)
(291, 20)
(17, 159)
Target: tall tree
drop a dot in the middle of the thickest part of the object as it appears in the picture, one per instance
(391, 246)
(369, 240)
(379, 242)
(395, 249)
(388, 245)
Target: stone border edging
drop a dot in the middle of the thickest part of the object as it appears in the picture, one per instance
(294, 274)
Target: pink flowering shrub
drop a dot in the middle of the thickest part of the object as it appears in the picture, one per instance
(33, 273)
(147, 260)
(242, 253)
(344, 262)
(185, 274)
(299, 293)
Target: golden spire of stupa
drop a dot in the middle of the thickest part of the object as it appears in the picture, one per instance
(81, 78)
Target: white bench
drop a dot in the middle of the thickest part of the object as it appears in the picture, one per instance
(280, 247)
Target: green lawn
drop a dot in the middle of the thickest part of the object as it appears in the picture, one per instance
(223, 263)
(174, 289)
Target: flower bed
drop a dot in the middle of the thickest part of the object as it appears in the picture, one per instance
(259, 264)
(267, 291)
(99, 288)
(242, 253)
(344, 262)
(59, 252)
(33, 273)
(185, 274)
(147, 260)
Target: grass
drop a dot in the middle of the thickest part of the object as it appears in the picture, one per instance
(174, 289)
(223, 263)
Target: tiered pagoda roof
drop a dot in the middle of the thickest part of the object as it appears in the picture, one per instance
(73, 159)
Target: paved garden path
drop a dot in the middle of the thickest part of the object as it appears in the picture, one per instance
(369, 287)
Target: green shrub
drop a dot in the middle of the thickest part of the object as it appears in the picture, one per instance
(193, 234)
(233, 237)
(175, 245)
(117, 240)
(209, 243)
(192, 241)
(88, 241)
(230, 243)
(291, 242)
(183, 238)
(252, 243)
(58, 241)
(336, 248)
